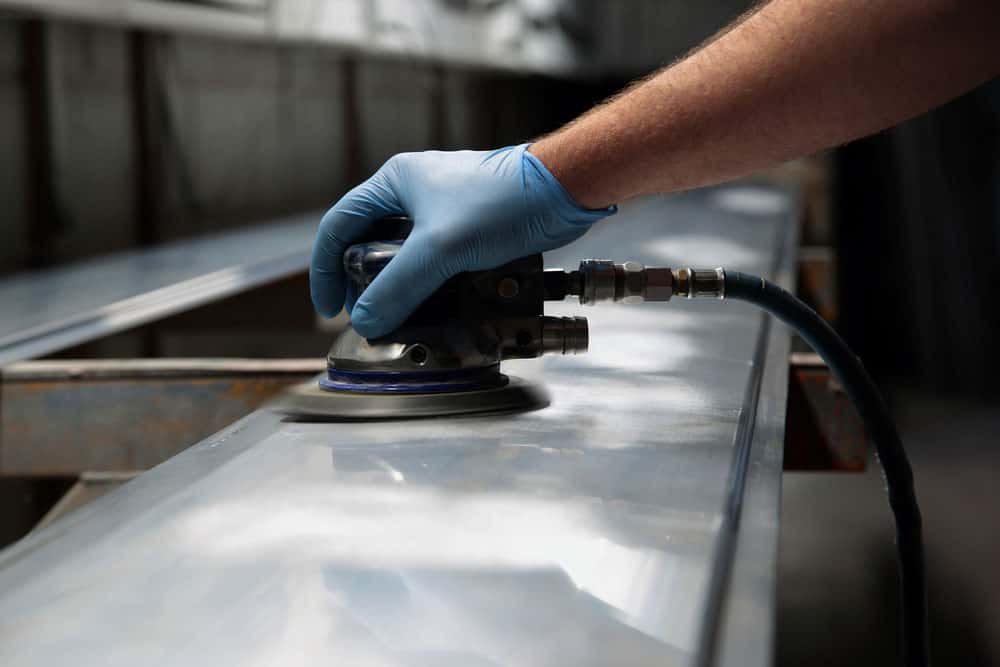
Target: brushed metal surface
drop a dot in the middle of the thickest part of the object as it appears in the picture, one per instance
(586, 533)
(44, 311)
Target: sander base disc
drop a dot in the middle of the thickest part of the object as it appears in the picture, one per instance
(307, 402)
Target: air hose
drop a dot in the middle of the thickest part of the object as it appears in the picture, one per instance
(631, 282)
(896, 472)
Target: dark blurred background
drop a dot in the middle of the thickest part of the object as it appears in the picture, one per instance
(177, 119)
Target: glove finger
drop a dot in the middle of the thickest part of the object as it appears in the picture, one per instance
(346, 221)
(406, 281)
(351, 297)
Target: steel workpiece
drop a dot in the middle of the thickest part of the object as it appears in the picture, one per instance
(45, 311)
(634, 521)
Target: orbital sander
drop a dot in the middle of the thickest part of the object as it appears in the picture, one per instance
(445, 359)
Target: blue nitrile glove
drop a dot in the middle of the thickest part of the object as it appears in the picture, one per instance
(471, 210)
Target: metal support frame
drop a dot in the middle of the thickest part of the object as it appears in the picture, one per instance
(353, 131)
(823, 431)
(438, 107)
(46, 311)
(147, 153)
(146, 127)
(61, 418)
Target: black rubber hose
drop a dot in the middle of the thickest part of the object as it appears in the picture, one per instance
(896, 472)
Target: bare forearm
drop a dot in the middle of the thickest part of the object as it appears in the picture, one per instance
(794, 77)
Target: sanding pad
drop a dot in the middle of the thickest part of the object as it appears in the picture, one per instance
(308, 402)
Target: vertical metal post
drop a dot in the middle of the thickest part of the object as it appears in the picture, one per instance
(438, 107)
(147, 173)
(147, 155)
(353, 168)
(487, 108)
(37, 109)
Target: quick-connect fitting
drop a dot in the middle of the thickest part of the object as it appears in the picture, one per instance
(700, 283)
(631, 282)
(598, 280)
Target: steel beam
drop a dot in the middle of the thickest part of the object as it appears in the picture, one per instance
(45, 311)
(61, 418)
(634, 521)
(90, 486)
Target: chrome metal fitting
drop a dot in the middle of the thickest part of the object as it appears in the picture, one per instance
(637, 283)
(700, 283)
(631, 282)
(597, 278)
(564, 335)
(659, 284)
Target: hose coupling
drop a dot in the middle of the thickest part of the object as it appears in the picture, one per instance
(598, 280)
(700, 283)
(631, 282)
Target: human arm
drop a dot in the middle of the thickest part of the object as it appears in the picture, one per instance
(788, 79)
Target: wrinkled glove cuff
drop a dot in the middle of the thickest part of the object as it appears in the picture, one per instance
(539, 179)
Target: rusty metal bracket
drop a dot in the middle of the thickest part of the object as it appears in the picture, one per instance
(68, 417)
(823, 431)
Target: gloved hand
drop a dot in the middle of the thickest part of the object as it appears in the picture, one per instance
(471, 210)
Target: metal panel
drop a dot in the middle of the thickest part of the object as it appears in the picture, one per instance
(587, 533)
(67, 417)
(743, 631)
(90, 486)
(45, 311)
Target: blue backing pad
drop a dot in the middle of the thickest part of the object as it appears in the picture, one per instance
(415, 382)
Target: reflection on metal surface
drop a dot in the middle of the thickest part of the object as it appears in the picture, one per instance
(90, 486)
(49, 310)
(586, 533)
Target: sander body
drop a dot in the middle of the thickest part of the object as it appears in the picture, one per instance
(445, 359)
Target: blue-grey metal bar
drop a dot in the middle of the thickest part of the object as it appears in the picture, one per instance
(587, 533)
(44, 311)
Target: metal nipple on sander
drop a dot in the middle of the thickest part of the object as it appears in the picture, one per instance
(445, 359)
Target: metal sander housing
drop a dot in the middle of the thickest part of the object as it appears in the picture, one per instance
(445, 359)
(459, 334)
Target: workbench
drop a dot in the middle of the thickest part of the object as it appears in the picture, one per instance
(632, 522)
